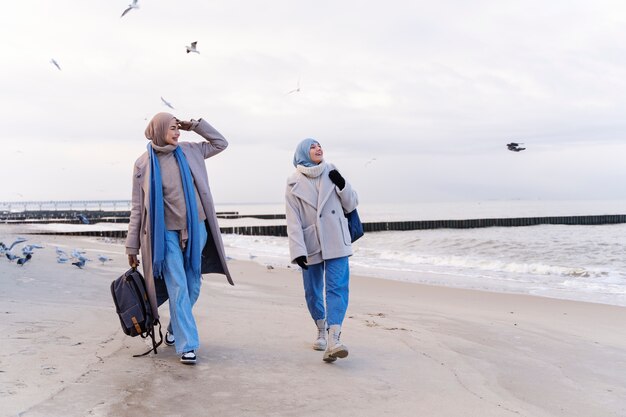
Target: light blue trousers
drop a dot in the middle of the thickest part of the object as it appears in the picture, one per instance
(183, 292)
(335, 273)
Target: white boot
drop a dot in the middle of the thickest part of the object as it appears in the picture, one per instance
(336, 349)
(320, 342)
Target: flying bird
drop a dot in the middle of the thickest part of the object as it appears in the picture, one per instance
(167, 104)
(514, 146)
(192, 48)
(55, 63)
(11, 257)
(18, 240)
(295, 90)
(83, 218)
(133, 5)
(370, 161)
(25, 259)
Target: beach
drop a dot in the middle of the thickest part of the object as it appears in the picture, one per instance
(414, 349)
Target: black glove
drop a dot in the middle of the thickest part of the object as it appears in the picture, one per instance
(337, 179)
(301, 261)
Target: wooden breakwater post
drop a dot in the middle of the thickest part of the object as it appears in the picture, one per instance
(281, 230)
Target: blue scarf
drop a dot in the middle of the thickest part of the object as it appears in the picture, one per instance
(193, 250)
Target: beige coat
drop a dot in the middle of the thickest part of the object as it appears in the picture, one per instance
(316, 224)
(138, 238)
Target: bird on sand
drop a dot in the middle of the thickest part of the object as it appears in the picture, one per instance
(80, 263)
(104, 259)
(55, 63)
(192, 48)
(167, 103)
(11, 257)
(133, 5)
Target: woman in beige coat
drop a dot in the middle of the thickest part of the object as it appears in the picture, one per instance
(317, 196)
(173, 223)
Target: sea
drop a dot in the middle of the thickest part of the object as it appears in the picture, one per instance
(584, 263)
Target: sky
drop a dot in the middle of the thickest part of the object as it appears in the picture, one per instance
(413, 100)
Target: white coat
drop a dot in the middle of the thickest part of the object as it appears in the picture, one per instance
(316, 225)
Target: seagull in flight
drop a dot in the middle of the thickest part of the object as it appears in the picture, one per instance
(192, 48)
(295, 90)
(514, 146)
(22, 261)
(18, 240)
(167, 104)
(55, 63)
(133, 5)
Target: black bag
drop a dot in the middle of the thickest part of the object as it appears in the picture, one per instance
(354, 225)
(133, 308)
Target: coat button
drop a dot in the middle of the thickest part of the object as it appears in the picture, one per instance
(333, 211)
(320, 216)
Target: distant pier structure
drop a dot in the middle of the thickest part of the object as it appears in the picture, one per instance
(70, 211)
(118, 211)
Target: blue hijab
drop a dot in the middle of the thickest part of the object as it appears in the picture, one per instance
(302, 155)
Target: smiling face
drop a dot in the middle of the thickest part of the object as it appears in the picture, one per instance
(316, 153)
(172, 134)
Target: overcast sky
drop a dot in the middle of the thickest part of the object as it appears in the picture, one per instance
(412, 100)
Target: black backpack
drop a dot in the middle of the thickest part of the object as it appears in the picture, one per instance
(133, 308)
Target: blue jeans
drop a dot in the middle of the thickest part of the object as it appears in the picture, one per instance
(183, 292)
(337, 279)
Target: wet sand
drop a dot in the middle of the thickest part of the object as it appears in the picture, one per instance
(414, 349)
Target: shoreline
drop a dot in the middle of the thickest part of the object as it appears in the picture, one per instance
(415, 349)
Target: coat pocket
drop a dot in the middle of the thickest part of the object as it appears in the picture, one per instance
(311, 240)
(345, 231)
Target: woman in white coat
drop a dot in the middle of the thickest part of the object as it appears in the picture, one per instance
(317, 196)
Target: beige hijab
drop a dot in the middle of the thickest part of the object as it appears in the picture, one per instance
(157, 130)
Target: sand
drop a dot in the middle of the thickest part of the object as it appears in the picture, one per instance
(415, 350)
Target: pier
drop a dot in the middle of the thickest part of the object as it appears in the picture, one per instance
(118, 211)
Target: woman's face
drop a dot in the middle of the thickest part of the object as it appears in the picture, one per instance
(171, 137)
(316, 153)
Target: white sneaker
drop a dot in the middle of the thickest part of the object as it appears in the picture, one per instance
(169, 339)
(335, 349)
(320, 343)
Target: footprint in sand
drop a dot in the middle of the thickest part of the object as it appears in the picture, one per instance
(48, 370)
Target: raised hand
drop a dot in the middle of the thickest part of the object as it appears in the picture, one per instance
(337, 179)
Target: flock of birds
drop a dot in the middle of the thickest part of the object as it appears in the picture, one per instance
(77, 255)
(191, 48)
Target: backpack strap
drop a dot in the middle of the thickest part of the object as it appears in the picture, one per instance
(154, 342)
